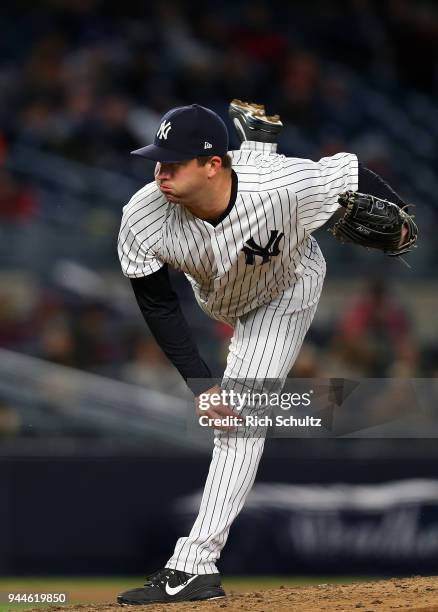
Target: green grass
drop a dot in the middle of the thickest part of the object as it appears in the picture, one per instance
(94, 590)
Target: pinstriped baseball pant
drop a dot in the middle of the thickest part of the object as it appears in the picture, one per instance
(265, 344)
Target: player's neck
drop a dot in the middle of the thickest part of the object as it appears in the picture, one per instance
(213, 201)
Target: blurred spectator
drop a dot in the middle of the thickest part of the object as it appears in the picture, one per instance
(257, 36)
(96, 347)
(307, 364)
(337, 106)
(14, 329)
(18, 204)
(374, 333)
(223, 334)
(148, 366)
(299, 81)
(56, 343)
(409, 21)
(10, 423)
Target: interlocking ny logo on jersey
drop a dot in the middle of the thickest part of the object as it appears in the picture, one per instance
(164, 129)
(251, 248)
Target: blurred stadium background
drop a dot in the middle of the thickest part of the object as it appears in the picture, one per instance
(97, 473)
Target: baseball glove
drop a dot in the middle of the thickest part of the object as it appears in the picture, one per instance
(375, 224)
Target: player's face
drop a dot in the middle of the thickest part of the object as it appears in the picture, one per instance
(180, 181)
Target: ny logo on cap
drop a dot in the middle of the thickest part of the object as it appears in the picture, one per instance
(164, 129)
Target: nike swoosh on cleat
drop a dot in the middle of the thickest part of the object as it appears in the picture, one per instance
(175, 590)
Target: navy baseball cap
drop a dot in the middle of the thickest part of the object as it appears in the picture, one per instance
(187, 132)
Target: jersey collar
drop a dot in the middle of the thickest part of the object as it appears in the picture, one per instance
(233, 196)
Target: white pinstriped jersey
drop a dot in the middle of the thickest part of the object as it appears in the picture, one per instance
(259, 249)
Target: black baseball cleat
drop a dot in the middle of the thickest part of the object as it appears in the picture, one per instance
(252, 123)
(168, 586)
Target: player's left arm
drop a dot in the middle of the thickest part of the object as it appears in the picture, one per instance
(317, 198)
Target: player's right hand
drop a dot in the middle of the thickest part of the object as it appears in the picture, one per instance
(215, 411)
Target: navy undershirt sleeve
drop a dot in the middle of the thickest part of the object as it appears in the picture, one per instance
(373, 184)
(161, 310)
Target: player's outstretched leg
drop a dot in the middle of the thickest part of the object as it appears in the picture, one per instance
(252, 123)
(265, 344)
(168, 586)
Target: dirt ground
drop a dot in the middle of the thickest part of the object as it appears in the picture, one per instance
(417, 593)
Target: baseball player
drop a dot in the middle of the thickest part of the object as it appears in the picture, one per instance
(239, 225)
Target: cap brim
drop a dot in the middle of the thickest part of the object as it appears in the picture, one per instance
(160, 154)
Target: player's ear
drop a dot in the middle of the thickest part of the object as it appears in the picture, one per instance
(214, 164)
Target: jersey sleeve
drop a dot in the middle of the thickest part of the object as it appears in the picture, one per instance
(317, 195)
(312, 187)
(139, 239)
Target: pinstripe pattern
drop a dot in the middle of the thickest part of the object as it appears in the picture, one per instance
(265, 344)
(270, 305)
(294, 196)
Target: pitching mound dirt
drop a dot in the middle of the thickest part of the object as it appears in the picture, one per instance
(419, 594)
